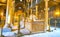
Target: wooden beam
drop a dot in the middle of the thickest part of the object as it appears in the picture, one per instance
(2, 4)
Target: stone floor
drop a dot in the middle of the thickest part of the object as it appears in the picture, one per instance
(54, 33)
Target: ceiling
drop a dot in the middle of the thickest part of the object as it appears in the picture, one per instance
(41, 5)
(50, 4)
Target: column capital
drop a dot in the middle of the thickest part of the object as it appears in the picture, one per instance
(46, 0)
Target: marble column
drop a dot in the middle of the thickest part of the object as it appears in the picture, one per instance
(9, 13)
(36, 8)
(46, 14)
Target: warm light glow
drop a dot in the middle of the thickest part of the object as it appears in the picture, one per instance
(2, 14)
(21, 0)
(57, 13)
